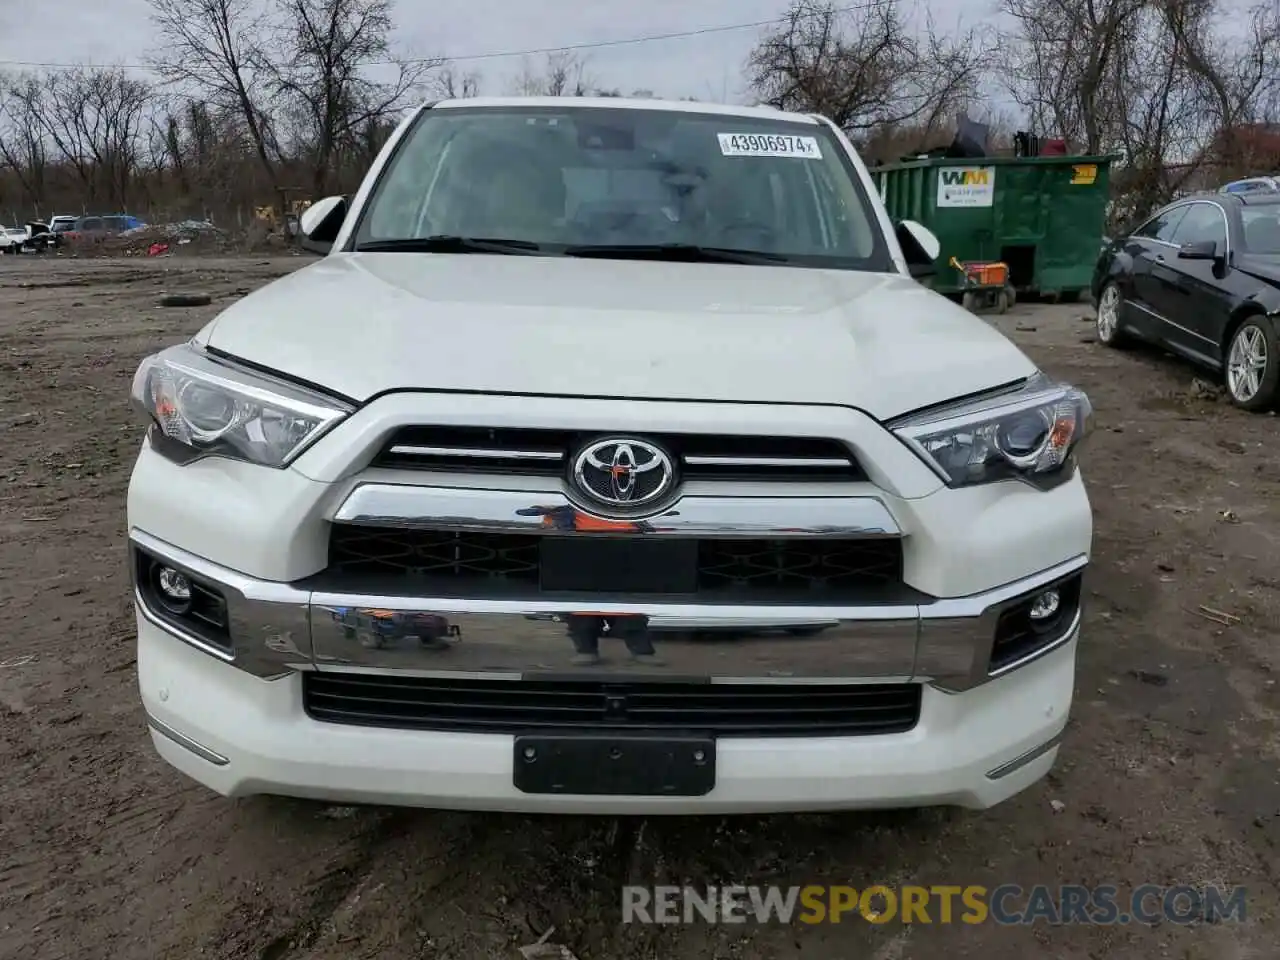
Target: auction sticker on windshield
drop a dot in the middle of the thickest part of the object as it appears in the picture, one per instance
(769, 145)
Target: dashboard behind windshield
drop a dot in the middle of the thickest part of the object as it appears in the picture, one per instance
(579, 177)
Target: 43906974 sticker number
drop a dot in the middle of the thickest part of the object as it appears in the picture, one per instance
(769, 145)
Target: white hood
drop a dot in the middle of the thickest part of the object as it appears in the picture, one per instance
(363, 324)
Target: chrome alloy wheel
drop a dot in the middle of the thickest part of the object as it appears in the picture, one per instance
(1247, 362)
(1109, 313)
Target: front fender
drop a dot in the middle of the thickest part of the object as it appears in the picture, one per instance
(1112, 265)
(1267, 299)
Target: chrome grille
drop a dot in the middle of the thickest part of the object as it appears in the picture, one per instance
(546, 453)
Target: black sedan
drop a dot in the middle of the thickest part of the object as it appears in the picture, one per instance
(1201, 278)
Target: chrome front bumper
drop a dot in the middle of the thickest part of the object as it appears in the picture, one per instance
(277, 628)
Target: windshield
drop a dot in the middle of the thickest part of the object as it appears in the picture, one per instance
(1261, 229)
(565, 179)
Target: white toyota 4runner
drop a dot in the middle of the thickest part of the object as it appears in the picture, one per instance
(611, 461)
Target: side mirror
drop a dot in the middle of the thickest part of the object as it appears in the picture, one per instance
(1200, 250)
(919, 246)
(320, 223)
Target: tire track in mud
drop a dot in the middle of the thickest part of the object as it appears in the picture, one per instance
(458, 884)
(325, 893)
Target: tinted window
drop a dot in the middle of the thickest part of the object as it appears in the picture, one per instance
(114, 223)
(1204, 221)
(91, 223)
(1161, 226)
(575, 176)
(1261, 229)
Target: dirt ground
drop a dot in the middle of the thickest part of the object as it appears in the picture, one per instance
(1168, 775)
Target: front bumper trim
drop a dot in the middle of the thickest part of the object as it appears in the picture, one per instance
(1018, 762)
(280, 628)
(182, 740)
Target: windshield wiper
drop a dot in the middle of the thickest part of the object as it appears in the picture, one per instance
(674, 252)
(448, 243)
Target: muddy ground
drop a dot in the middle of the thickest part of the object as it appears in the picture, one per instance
(1168, 776)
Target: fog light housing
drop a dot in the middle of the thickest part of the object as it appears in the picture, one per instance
(1038, 619)
(173, 588)
(184, 601)
(1045, 606)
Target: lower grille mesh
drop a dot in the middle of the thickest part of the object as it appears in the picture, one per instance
(826, 569)
(416, 703)
(433, 553)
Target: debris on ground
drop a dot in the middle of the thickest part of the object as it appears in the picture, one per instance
(1217, 616)
(185, 300)
(1151, 679)
(159, 239)
(1204, 390)
(543, 949)
(182, 232)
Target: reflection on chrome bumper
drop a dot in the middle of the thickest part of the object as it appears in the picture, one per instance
(279, 627)
(528, 639)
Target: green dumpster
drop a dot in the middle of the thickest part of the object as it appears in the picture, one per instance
(1043, 216)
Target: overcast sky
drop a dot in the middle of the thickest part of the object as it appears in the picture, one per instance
(708, 66)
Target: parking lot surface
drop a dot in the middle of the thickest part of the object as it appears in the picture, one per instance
(1169, 773)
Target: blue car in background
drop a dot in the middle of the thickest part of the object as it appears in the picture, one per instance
(98, 226)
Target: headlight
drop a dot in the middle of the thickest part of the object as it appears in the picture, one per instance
(208, 407)
(1029, 434)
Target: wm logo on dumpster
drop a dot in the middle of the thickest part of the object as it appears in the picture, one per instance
(966, 178)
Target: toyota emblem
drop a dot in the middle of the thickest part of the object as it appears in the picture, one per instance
(621, 472)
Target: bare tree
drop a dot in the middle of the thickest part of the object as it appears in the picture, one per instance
(864, 68)
(1161, 123)
(23, 147)
(199, 148)
(93, 118)
(1235, 76)
(563, 74)
(453, 84)
(325, 79)
(210, 49)
(1063, 63)
(1172, 86)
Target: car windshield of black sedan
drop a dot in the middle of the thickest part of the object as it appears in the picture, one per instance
(617, 182)
(1262, 229)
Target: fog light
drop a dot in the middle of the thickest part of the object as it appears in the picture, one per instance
(174, 588)
(1045, 606)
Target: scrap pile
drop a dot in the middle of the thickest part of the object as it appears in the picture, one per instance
(159, 239)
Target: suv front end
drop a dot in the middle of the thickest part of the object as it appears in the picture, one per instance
(579, 601)
(874, 642)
